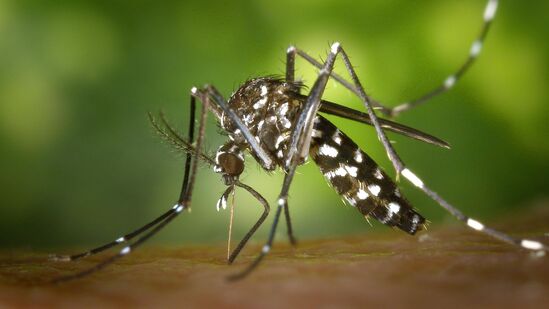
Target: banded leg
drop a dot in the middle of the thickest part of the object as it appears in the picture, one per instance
(472, 223)
(120, 240)
(127, 237)
(183, 203)
(448, 83)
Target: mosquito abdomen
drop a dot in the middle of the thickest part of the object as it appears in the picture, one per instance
(359, 180)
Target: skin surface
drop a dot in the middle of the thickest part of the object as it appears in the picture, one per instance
(448, 266)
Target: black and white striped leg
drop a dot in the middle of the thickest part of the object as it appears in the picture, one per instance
(127, 237)
(184, 202)
(470, 222)
(126, 250)
(120, 240)
(391, 153)
(451, 80)
(448, 83)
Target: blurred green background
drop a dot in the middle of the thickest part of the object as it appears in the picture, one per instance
(80, 164)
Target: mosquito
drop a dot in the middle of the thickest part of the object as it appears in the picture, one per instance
(280, 127)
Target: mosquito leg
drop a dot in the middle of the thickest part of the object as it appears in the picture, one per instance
(123, 239)
(133, 234)
(185, 183)
(254, 228)
(292, 51)
(449, 82)
(126, 250)
(268, 245)
(290, 78)
(290, 64)
(472, 223)
(290, 230)
(173, 213)
(391, 153)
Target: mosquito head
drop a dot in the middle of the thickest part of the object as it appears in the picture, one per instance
(231, 166)
(229, 162)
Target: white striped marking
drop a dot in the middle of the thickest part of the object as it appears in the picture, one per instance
(279, 140)
(316, 133)
(490, 10)
(335, 47)
(221, 203)
(260, 103)
(476, 48)
(340, 171)
(286, 123)
(474, 224)
(374, 189)
(283, 109)
(336, 138)
(531, 244)
(327, 150)
(126, 250)
(121, 239)
(352, 170)
(358, 156)
(264, 90)
(450, 82)
(377, 174)
(412, 178)
(394, 208)
(361, 194)
(248, 118)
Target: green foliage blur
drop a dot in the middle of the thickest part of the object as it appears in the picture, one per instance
(81, 165)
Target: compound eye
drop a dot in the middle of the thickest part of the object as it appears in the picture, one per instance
(230, 164)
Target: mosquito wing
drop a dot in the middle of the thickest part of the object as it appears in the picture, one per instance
(351, 114)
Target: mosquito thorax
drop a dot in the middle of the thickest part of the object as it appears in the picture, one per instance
(268, 107)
